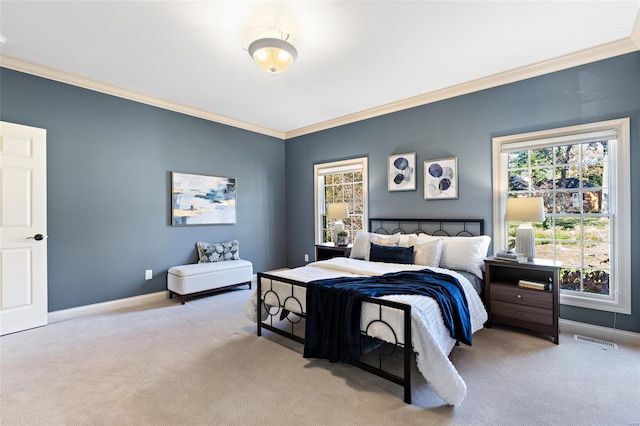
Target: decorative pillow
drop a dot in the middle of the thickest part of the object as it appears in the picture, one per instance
(426, 253)
(360, 245)
(381, 240)
(465, 253)
(390, 254)
(217, 252)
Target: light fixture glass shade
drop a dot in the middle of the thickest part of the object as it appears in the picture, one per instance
(525, 210)
(273, 54)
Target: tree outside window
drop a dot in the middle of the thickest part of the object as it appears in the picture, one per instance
(572, 179)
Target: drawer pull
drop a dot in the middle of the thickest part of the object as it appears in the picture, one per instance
(519, 296)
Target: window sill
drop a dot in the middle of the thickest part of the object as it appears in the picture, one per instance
(587, 302)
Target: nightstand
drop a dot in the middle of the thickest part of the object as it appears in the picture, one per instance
(510, 304)
(327, 251)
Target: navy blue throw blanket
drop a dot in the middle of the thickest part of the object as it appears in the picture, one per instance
(332, 329)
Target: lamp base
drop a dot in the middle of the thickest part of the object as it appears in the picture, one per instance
(525, 241)
(337, 227)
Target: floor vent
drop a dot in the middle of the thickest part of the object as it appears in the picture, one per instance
(603, 343)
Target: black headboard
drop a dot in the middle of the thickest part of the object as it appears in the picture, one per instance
(443, 227)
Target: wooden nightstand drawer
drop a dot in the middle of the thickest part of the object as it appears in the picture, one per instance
(523, 296)
(522, 312)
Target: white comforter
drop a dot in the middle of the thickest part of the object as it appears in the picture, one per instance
(430, 336)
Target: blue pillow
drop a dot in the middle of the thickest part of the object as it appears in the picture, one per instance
(391, 254)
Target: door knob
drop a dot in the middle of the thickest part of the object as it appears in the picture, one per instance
(37, 237)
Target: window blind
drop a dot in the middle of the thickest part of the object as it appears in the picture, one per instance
(602, 135)
(355, 166)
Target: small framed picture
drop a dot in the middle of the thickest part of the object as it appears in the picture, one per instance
(402, 172)
(441, 179)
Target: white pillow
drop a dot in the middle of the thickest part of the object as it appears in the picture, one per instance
(426, 253)
(403, 240)
(465, 253)
(381, 240)
(428, 238)
(360, 248)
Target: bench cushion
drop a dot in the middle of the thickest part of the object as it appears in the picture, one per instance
(187, 279)
(205, 268)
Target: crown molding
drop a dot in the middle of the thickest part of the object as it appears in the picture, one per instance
(582, 57)
(110, 89)
(635, 31)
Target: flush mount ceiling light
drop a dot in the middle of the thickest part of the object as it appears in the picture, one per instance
(273, 55)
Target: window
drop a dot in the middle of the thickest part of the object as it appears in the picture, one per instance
(582, 173)
(341, 182)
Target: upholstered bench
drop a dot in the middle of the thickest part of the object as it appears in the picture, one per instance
(202, 278)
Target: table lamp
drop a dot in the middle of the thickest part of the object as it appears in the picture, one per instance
(525, 210)
(337, 211)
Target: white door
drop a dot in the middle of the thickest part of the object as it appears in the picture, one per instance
(23, 227)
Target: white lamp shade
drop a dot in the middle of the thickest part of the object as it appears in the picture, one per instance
(530, 209)
(337, 210)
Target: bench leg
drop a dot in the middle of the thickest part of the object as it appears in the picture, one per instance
(183, 297)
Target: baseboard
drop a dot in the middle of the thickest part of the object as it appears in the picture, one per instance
(597, 332)
(96, 308)
(66, 314)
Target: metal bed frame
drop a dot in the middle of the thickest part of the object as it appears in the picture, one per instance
(436, 227)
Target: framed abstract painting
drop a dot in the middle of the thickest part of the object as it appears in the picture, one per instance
(401, 172)
(202, 199)
(441, 179)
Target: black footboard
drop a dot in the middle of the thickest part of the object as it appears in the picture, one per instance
(284, 317)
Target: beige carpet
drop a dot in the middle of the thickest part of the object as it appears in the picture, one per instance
(202, 364)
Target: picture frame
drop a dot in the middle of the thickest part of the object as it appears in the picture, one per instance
(401, 172)
(441, 179)
(202, 199)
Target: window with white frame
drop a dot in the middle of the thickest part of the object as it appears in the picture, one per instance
(582, 173)
(341, 182)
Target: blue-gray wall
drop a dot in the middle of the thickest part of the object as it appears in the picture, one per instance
(463, 127)
(109, 166)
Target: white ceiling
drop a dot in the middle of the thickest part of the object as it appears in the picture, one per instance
(352, 56)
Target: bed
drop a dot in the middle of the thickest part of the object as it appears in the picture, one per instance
(392, 325)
